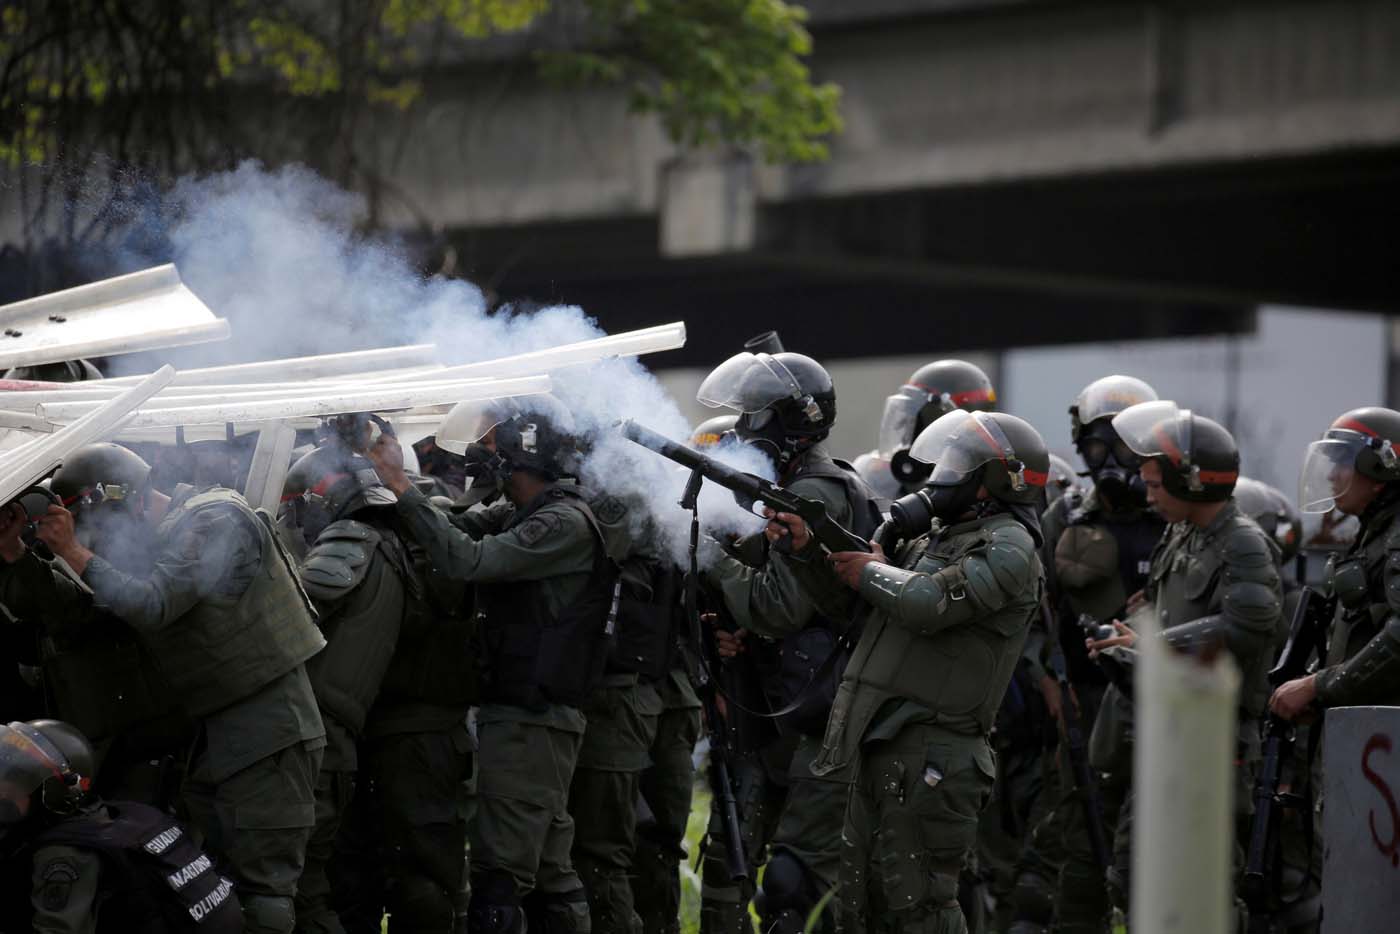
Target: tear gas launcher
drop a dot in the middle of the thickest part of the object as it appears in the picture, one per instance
(750, 489)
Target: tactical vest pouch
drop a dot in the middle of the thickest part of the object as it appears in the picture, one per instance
(646, 629)
(801, 656)
(535, 660)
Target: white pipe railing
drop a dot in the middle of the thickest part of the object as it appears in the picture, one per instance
(28, 465)
(145, 310)
(352, 363)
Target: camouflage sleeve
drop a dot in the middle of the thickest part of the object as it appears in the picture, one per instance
(64, 890)
(554, 540)
(787, 592)
(977, 585)
(214, 552)
(1371, 675)
(1250, 598)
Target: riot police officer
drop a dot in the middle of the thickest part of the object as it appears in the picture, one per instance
(545, 586)
(73, 864)
(1355, 468)
(950, 608)
(787, 405)
(205, 583)
(1098, 548)
(934, 389)
(395, 765)
(1214, 575)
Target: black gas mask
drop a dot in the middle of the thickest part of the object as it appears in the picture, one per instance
(1113, 467)
(913, 513)
(487, 471)
(764, 430)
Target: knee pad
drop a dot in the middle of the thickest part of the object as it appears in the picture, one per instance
(787, 896)
(494, 907)
(558, 912)
(421, 904)
(1033, 898)
(268, 914)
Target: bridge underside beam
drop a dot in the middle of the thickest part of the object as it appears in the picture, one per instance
(981, 267)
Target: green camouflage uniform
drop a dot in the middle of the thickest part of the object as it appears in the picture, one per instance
(913, 715)
(1363, 650)
(1213, 585)
(778, 599)
(230, 629)
(523, 833)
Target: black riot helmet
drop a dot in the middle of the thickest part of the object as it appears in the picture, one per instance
(786, 401)
(46, 769)
(1363, 441)
(100, 473)
(1199, 459)
(330, 483)
(534, 433)
(1111, 462)
(65, 371)
(712, 431)
(934, 390)
(1273, 512)
(968, 450)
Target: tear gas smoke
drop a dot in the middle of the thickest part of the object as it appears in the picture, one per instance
(278, 253)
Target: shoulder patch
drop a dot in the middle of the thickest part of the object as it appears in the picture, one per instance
(339, 560)
(56, 880)
(538, 527)
(609, 510)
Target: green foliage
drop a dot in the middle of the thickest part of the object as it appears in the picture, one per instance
(713, 70)
(92, 88)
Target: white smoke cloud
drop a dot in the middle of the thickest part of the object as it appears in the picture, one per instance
(279, 253)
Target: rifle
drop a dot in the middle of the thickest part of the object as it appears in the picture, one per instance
(1306, 637)
(1085, 787)
(749, 489)
(707, 661)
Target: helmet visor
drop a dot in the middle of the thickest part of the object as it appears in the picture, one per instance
(900, 419)
(24, 766)
(468, 423)
(957, 444)
(1109, 396)
(1155, 429)
(748, 383)
(1328, 469)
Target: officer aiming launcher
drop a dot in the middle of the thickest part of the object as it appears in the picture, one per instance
(749, 489)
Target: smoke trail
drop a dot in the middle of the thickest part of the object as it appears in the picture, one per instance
(279, 254)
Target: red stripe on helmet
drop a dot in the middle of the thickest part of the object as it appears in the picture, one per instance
(1035, 477)
(1352, 424)
(1218, 476)
(961, 398)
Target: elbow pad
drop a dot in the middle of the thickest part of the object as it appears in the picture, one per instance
(1216, 630)
(911, 594)
(1369, 675)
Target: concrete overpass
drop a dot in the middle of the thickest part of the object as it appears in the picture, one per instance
(1011, 173)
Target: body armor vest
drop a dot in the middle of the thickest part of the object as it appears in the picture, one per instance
(159, 880)
(534, 659)
(225, 648)
(436, 661)
(648, 625)
(1136, 539)
(960, 674)
(364, 625)
(800, 656)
